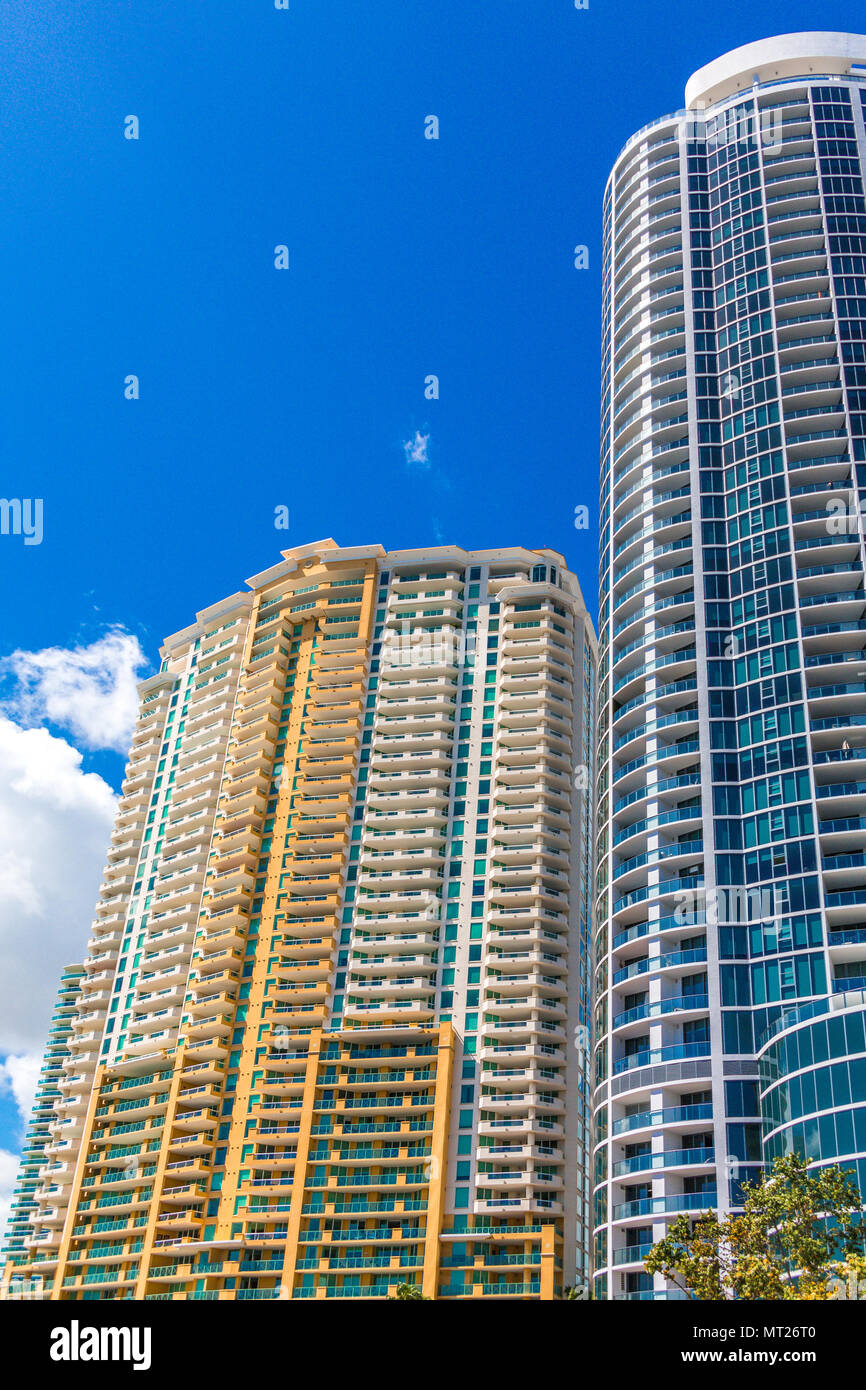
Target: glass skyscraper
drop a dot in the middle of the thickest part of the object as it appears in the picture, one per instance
(731, 894)
(337, 1029)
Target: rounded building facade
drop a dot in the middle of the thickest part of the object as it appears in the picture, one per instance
(732, 621)
(813, 1083)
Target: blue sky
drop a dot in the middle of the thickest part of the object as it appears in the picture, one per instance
(262, 388)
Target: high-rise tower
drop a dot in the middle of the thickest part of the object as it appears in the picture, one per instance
(325, 1042)
(46, 1165)
(731, 907)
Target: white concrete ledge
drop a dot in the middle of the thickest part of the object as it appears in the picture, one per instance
(773, 60)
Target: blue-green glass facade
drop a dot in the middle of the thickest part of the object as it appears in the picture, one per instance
(813, 1084)
(732, 671)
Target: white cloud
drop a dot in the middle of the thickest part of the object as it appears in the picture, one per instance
(55, 822)
(416, 450)
(21, 1076)
(91, 691)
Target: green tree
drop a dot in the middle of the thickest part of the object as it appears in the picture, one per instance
(410, 1292)
(799, 1231)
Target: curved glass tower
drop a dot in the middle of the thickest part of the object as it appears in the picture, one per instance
(731, 894)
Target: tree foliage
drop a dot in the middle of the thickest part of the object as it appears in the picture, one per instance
(799, 1231)
(409, 1293)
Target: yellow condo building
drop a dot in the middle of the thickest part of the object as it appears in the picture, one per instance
(330, 1036)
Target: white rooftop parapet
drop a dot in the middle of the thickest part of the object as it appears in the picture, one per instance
(773, 60)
